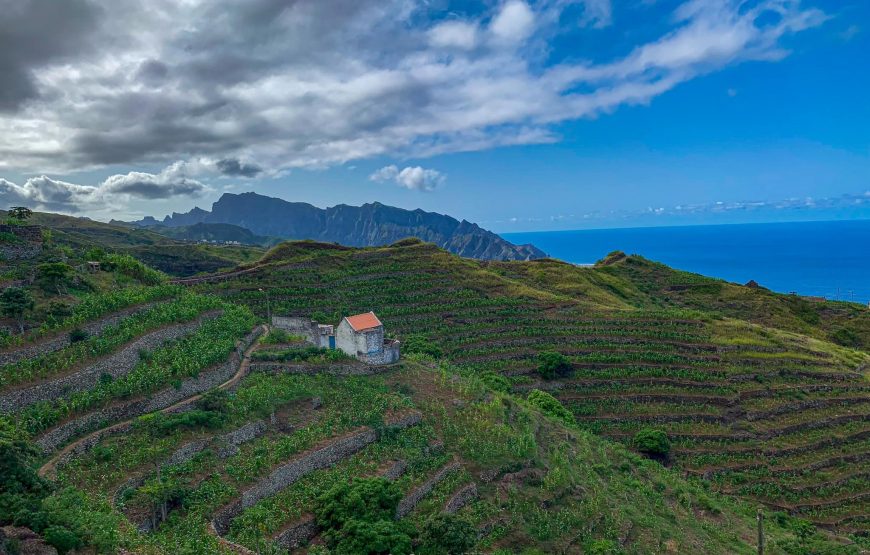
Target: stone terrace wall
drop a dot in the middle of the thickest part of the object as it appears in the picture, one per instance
(62, 340)
(407, 504)
(289, 473)
(207, 379)
(311, 370)
(465, 495)
(298, 534)
(324, 457)
(29, 244)
(116, 365)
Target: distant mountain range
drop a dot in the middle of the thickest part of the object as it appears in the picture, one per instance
(357, 226)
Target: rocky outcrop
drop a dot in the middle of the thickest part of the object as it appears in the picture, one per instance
(410, 501)
(164, 398)
(355, 226)
(115, 365)
(60, 341)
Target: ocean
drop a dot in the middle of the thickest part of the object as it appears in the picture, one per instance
(824, 259)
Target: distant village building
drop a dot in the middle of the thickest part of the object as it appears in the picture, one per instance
(93, 266)
(360, 336)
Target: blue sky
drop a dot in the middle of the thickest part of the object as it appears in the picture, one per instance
(760, 118)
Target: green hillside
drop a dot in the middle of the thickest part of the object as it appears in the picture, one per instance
(176, 257)
(539, 408)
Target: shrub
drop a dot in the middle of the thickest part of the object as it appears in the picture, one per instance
(550, 406)
(369, 538)
(62, 538)
(846, 337)
(447, 533)
(652, 442)
(215, 400)
(552, 365)
(358, 517)
(77, 334)
(417, 343)
(365, 499)
(496, 381)
(602, 547)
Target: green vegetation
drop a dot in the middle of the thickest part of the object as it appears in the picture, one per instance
(15, 302)
(553, 365)
(653, 442)
(358, 517)
(539, 384)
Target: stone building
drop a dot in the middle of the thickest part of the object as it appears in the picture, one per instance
(321, 335)
(362, 336)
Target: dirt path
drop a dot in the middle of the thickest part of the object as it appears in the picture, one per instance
(49, 468)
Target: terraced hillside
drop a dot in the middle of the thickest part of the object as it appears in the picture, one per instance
(764, 413)
(242, 469)
(169, 419)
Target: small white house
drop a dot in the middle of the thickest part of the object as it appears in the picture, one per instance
(362, 336)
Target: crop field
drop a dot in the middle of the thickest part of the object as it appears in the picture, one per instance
(170, 419)
(725, 390)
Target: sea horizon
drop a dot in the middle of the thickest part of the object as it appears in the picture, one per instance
(828, 258)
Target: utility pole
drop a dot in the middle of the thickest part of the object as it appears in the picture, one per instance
(760, 517)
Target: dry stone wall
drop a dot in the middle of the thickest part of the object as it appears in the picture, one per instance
(208, 379)
(60, 341)
(317, 459)
(298, 534)
(289, 473)
(116, 365)
(465, 495)
(410, 501)
(311, 370)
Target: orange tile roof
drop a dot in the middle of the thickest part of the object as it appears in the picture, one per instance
(365, 321)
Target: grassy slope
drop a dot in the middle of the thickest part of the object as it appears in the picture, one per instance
(163, 253)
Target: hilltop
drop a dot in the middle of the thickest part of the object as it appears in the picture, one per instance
(165, 418)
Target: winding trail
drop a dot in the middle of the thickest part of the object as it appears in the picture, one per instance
(49, 468)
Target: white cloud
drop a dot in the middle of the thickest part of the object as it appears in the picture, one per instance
(414, 178)
(515, 22)
(454, 34)
(315, 83)
(45, 193)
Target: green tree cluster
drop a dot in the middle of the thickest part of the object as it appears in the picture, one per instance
(553, 365)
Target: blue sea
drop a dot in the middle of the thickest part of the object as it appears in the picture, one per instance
(825, 259)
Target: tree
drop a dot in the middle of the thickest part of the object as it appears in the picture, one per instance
(358, 517)
(20, 213)
(53, 274)
(652, 442)
(447, 534)
(552, 365)
(14, 303)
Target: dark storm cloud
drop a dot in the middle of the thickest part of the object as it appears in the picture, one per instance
(312, 83)
(236, 168)
(37, 32)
